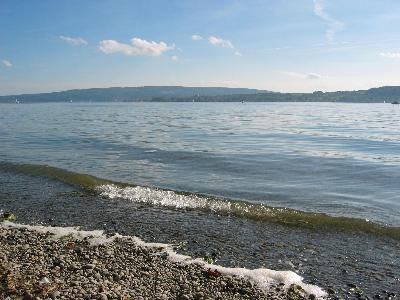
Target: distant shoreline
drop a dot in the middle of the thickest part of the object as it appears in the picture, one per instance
(184, 101)
(386, 94)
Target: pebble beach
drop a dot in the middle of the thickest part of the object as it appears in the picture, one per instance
(44, 265)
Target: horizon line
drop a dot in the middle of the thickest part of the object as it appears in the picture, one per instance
(185, 86)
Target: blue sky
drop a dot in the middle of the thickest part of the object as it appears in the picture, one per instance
(279, 45)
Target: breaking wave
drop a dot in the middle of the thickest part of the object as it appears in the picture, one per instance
(189, 201)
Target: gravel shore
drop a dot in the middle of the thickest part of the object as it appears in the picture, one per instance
(40, 265)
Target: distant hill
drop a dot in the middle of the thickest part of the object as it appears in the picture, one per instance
(127, 94)
(205, 94)
(374, 95)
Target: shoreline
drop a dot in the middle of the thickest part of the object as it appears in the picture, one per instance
(65, 263)
(234, 242)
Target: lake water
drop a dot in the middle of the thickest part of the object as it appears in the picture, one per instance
(327, 165)
(340, 159)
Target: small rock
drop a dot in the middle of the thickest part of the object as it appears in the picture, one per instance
(89, 266)
(330, 291)
(296, 292)
(44, 281)
(55, 294)
(103, 297)
(27, 296)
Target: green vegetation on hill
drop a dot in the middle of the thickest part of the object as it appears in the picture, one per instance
(205, 94)
(126, 94)
(375, 95)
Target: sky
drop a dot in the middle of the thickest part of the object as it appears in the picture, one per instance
(276, 45)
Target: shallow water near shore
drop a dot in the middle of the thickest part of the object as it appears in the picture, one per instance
(308, 187)
(329, 259)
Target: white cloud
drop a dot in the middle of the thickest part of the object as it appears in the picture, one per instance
(196, 37)
(74, 41)
(303, 75)
(237, 53)
(220, 42)
(138, 47)
(313, 76)
(174, 58)
(333, 25)
(7, 63)
(390, 54)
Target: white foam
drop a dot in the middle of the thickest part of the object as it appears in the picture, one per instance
(262, 277)
(164, 198)
(94, 237)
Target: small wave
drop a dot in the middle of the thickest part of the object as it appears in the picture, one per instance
(165, 198)
(261, 277)
(184, 200)
(255, 211)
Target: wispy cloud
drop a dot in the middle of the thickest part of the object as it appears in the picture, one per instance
(137, 47)
(75, 41)
(303, 75)
(334, 25)
(7, 63)
(174, 58)
(196, 37)
(216, 41)
(313, 76)
(395, 55)
(237, 53)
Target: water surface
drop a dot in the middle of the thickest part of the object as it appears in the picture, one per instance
(339, 159)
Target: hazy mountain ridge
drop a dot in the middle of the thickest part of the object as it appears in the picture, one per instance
(205, 94)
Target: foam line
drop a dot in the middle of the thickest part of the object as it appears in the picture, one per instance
(261, 277)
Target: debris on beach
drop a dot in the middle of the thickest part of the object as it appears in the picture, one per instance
(7, 216)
